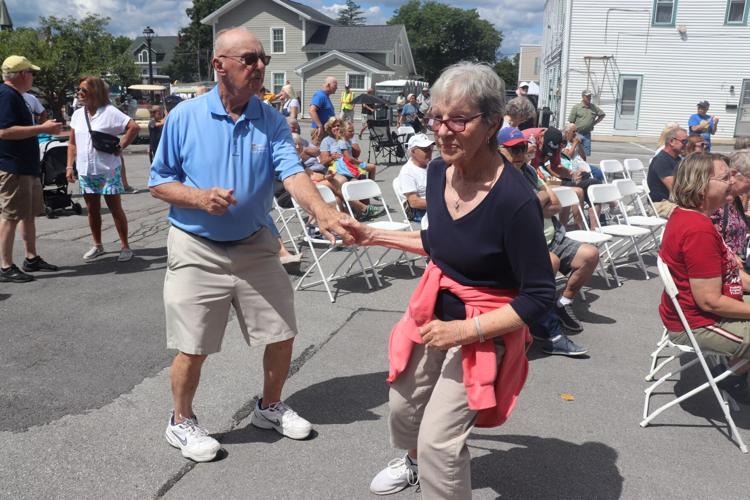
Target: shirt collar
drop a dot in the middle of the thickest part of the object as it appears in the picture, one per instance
(215, 106)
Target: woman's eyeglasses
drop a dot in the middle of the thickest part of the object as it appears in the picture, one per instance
(251, 58)
(455, 125)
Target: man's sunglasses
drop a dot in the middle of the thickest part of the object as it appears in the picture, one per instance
(684, 141)
(251, 58)
(518, 148)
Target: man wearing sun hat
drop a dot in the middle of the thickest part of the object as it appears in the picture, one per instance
(413, 175)
(20, 188)
(586, 115)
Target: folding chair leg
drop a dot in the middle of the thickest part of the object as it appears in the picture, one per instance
(612, 263)
(640, 259)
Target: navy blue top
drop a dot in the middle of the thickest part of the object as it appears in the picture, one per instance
(662, 165)
(499, 244)
(20, 156)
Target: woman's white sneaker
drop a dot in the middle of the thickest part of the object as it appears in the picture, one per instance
(399, 474)
(192, 439)
(283, 419)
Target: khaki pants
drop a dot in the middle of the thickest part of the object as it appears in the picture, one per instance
(430, 412)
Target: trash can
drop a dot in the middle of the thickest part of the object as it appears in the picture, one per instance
(544, 117)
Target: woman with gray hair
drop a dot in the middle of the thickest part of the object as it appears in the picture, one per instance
(457, 356)
(730, 220)
(519, 113)
(709, 280)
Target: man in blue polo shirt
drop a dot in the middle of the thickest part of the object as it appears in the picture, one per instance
(215, 165)
(321, 108)
(20, 188)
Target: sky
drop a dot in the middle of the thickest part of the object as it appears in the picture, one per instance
(520, 22)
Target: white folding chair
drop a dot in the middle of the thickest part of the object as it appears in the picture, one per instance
(671, 290)
(285, 216)
(568, 198)
(629, 191)
(352, 252)
(401, 199)
(628, 236)
(611, 169)
(635, 170)
(363, 189)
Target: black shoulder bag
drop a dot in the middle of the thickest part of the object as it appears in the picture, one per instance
(105, 143)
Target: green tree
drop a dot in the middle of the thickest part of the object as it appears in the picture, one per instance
(441, 35)
(352, 14)
(65, 49)
(192, 58)
(507, 69)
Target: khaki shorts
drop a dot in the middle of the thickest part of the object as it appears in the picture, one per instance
(20, 196)
(205, 277)
(730, 337)
(664, 208)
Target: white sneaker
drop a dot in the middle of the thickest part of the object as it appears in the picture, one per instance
(125, 255)
(93, 253)
(282, 418)
(400, 473)
(192, 439)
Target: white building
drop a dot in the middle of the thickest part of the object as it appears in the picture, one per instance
(648, 62)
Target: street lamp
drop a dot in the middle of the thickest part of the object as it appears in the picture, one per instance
(148, 34)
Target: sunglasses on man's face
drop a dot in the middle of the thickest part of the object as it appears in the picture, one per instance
(251, 58)
(683, 141)
(518, 148)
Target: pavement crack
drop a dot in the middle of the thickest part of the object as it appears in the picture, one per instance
(244, 411)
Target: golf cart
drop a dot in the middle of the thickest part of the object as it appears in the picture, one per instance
(143, 113)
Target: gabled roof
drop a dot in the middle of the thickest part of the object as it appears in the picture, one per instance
(354, 38)
(308, 13)
(5, 21)
(159, 44)
(359, 60)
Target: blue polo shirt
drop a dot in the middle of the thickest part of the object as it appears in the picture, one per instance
(202, 147)
(325, 107)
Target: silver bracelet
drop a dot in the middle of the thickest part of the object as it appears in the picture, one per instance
(478, 328)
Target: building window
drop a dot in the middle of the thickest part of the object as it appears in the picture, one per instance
(536, 66)
(277, 41)
(356, 81)
(736, 12)
(279, 80)
(665, 12)
(143, 56)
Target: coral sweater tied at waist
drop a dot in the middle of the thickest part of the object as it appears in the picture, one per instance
(491, 393)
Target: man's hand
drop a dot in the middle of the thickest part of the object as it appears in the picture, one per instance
(716, 119)
(52, 127)
(576, 175)
(216, 201)
(446, 334)
(334, 224)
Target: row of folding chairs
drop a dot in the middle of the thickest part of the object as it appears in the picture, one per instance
(633, 184)
(356, 259)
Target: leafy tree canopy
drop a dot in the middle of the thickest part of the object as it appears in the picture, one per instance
(441, 35)
(507, 69)
(352, 14)
(66, 49)
(192, 59)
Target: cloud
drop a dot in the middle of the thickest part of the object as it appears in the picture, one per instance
(332, 10)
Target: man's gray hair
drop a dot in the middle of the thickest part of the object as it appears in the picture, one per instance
(520, 109)
(220, 35)
(474, 83)
(9, 75)
(742, 142)
(672, 134)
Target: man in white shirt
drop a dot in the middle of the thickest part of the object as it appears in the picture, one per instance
(413, 175)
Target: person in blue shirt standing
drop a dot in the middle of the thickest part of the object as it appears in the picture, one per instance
(703, 124)
(321, 108)
(215, 165)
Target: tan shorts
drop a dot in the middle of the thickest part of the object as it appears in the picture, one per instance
(664, 208)
(205, 277)
(20, 196)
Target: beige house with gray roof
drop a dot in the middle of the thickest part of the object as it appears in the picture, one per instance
(306, 46)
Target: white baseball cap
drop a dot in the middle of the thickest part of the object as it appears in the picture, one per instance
(419, 141)
(523, 84)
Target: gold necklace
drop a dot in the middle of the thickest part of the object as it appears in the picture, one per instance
(456, 204)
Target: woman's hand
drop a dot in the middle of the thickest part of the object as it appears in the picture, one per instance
(70, 175)
(446, 334)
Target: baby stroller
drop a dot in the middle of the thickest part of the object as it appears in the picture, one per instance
(54, 159)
